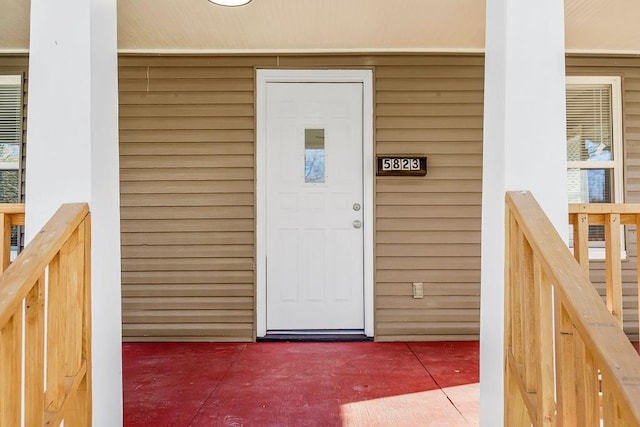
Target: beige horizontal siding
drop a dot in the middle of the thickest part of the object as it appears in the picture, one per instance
(191, 316)
(187, 198)
(428, 229)
(187, 143)
(190, 290)
(173, 199)
(629, 69)
(175, 277)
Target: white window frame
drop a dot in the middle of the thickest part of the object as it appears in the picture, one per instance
(13, 80)
(617, 164)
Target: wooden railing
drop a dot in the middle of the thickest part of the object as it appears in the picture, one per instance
(564, 352)
(613, 217)
(11, 214)
(53, 271)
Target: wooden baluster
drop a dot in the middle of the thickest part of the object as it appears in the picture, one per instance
(11, 370)
(565, 366)
(516, 413)
(5, 246)
(72, 258)
(588, 402)
(543, 346)
(510, 271)
(517, 327)
(610, 412)
(34, 355)
(613, 265)
(55, 337)
(529, 313)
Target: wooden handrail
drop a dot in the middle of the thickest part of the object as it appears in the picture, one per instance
(58, 258)
(548, 297)
(11, 214)
(613, 216)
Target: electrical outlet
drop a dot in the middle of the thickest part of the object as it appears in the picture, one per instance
(418, 290)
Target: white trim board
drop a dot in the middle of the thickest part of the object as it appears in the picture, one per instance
(323, 76)
(382, 51)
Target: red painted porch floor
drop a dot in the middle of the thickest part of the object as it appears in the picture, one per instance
(301, 384)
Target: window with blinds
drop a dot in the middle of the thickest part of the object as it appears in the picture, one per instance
(10, 140)
(594, 143)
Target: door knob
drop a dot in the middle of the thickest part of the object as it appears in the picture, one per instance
(357, 224)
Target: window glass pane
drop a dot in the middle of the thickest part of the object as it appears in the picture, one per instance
(314, 156)
(590, 185)
(9, 153)
(589, 122)
(9, 185)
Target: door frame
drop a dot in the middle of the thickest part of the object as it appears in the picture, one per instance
(263, 77)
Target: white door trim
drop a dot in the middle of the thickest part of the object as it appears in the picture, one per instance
(324, 76)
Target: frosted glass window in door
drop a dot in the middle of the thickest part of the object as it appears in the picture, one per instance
(314, 156)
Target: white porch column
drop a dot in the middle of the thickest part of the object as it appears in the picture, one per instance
(524, 149)
(72, 156)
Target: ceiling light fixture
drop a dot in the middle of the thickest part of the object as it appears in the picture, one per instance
(230, 2)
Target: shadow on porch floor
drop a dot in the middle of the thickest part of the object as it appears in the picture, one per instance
(301, 384)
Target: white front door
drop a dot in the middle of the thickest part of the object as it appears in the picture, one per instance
(314, 207)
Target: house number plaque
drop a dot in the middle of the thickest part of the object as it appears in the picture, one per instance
(402, 166)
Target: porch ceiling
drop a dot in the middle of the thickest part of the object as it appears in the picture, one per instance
(332, 25)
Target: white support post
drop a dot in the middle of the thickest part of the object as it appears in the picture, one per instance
(524, 149)
(72, 156)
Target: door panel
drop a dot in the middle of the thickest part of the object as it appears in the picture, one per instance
(314, 179)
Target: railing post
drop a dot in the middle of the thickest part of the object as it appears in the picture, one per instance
(516, 409)
(86, 389)
(613, 266)
(80, 412)
(580, 223)
(508, 316)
